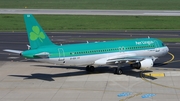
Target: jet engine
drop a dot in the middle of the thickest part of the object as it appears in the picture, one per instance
(146, 64)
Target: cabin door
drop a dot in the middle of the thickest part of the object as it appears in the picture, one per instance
(61, 56)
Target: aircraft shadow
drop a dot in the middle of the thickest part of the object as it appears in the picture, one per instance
(159, 64)
(64, 67)
(49, 77)
(174, 65)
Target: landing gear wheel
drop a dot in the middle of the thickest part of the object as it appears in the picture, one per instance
(90, 68)
(87, 68)
(132, 66)
(118, 71)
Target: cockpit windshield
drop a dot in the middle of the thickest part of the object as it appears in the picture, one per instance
(163, 44)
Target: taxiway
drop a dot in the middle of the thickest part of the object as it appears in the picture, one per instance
(21, 80)
(92, 12)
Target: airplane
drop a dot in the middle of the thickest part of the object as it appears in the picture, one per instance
(140, 53)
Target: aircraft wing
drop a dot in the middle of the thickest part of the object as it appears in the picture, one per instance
(13, 51)
(124, 58)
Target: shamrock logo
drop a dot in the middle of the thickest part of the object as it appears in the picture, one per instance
(36, 34)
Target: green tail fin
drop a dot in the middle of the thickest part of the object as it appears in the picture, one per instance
(37, 37)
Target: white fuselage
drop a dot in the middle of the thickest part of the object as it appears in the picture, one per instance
(90, 59)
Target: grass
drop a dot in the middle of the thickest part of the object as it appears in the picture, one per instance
(93, 4)
(77, 22)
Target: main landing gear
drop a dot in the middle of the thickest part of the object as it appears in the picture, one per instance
(90, 68)
(118, 70)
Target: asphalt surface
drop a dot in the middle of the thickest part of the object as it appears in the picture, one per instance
(19, 41)
(92, 12)
(22, 80)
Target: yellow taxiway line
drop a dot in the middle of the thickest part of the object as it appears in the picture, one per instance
(154, 74)
(170, 59)
(142, 75)
(162, 85)
(160, 74)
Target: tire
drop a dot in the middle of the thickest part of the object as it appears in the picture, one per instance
(119, 72)
(92, 68)
(87, 68)
(115, 71)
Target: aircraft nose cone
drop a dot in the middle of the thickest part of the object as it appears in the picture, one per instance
(167, 49)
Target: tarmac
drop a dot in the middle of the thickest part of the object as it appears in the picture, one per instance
(23, 80)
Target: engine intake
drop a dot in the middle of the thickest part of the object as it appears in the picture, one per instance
(144, 65)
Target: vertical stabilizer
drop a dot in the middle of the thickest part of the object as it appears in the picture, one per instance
(36, 36)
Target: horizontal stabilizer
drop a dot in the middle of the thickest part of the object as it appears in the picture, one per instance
(13, 51)
(42, 55)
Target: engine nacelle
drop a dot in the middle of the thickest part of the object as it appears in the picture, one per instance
(144, 65)
(102, 61)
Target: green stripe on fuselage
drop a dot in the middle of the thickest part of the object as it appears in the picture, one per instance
(95, 48)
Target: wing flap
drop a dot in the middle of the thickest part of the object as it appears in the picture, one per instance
(126, 59)
(122, 58)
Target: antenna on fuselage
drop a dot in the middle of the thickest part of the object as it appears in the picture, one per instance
(29, 47)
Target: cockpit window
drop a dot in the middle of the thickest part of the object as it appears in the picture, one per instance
(163, 44)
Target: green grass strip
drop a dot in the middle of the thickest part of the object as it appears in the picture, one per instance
(77, 22)
(93, 4)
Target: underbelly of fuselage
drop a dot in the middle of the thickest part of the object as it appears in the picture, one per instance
(90, 59)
